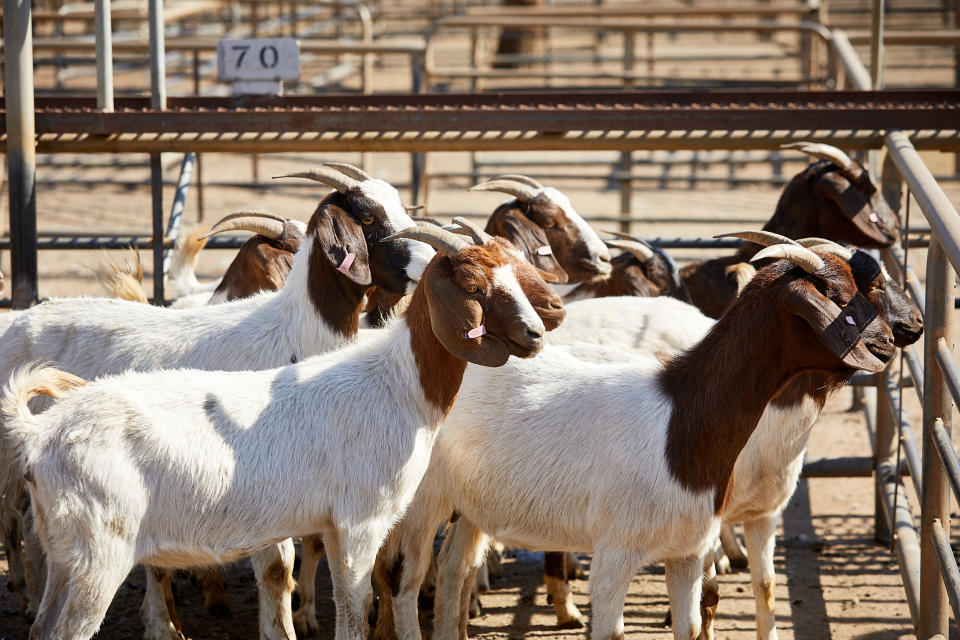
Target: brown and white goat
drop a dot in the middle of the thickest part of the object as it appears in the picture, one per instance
(833, 198)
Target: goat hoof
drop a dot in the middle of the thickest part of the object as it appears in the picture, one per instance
(572, 623)
(668, 619)
(739, 563)
(475, 609)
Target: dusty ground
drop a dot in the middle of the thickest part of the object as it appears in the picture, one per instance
(833, 580)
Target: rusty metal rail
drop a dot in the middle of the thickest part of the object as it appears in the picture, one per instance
(567, 120)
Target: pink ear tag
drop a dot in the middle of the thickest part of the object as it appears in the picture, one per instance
(347, 261)
(851, 321)
(545, 250)
(476, 332)
(873, 217)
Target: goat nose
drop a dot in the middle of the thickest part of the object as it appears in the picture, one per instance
(535, 333)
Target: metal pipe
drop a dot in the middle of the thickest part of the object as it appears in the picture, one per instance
(21, 152)
(935, 495)
(158, 101)
(176, 210)
(876, 45)
(906, 434)
(75, 243)
(156, 198)
(907, 544)
(948, 567)
(104, 55)
(856, 73)
(947, 456)
(884, 448)
(158, 66)
(936, 207)
(951, 372)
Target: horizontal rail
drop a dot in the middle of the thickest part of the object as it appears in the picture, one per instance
(671, 10)
(86, 45)
(948, 567)
(119, 242)
(913, 37)
(843, 467)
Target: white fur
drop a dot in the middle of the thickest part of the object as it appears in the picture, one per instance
(389, 198)
(595, 245)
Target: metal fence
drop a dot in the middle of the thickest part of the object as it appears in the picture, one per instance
(930, 575)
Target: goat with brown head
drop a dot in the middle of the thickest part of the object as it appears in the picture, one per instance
(641, 270)
(264, 260)
(542, 222)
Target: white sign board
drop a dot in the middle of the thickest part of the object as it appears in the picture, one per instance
(258, 59)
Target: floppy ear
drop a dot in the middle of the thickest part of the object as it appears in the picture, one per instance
(840, 330)
(544, 300)
(854, 206)
(340, 239)
(530, 238)
(453, 313)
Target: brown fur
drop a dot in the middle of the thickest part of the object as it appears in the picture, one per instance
(721, 386)
(819, 201)
(626, 279)
(261, 264)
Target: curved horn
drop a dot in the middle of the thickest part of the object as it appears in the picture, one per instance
(479, 236)
(763, 238)
(624, 236)
(262, 222)
(813, 241)
(835, 249)
(801, 256)
(440, 239)
(640, 251)
(520, 191)
(349, 170)
(826, 152)
(327, 175)
(516, 177)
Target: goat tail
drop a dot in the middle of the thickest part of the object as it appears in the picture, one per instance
(182, 276)
(740, 273)
(122, 278)
(20, 427)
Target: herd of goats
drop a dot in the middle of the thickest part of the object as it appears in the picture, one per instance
(350, 382)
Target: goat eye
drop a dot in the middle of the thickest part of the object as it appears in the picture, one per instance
(548, 224)
(366, 220)
(471, 288)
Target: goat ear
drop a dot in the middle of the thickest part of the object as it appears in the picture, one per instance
(340, 239)
(854, 205)
(530, 238)
(840, 330)
(454, 314)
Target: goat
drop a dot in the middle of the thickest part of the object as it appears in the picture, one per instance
(833, 198)
(528, 476)
(122, 278)
(542, 222)
(316, 313)
(769, 466)
(116, 465)
(641, 270)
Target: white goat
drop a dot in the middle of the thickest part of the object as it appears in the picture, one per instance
(769, 466)
(316, 312)
(519, 454)
(250, 458)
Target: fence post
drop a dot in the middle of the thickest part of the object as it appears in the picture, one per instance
(21, 151)
(158, 100)
(885, 450)
(934, 503)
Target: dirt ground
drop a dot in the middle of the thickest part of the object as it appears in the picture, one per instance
(833, 580)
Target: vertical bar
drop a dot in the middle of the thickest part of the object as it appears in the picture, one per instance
(885, 450)
(104, 55)
(179, 201)
(876, 45)
(158, 100)
(936, 404)
(625, 166)
(21, 151)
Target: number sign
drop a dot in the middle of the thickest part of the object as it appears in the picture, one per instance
(254, 59)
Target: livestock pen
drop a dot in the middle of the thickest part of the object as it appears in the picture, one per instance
(565, 122)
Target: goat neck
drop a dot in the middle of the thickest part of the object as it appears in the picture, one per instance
(721, 386)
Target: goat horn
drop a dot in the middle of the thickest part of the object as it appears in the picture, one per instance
(349, 170)
(624, 236)
(479, 236)
(516, 177)
(826, 152)
(835, 249)
(266, 224)
(520, 191)
(813, 241)
(801, 256)
(327, 175)
(763, 238)
(639, 250)
(444, 241)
